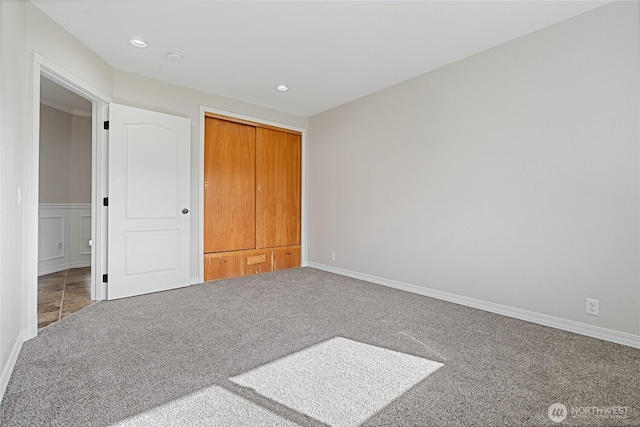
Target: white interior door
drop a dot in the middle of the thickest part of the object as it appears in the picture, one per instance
(148, 225)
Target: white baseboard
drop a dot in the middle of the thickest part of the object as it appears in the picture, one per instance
(32, 328)
(62, 267)
(7, 369)
(530, 316)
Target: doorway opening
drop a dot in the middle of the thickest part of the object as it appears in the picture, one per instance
(67, 237)
(64, 203)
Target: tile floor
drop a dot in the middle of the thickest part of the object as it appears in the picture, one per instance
(63, 293)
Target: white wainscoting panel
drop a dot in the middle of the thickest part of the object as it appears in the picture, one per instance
(51, 238)
(64, 231)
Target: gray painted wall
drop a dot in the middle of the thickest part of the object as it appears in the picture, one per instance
(80, 159)
(65, 157)
(55, 161)
(509, 177)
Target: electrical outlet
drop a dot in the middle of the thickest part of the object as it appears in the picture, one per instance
(333, 257)
(593, 306)
(59, 246)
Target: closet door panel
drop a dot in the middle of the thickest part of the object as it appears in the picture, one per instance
(229, 201)
(278, 188)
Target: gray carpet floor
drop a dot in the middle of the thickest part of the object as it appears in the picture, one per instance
(230, 353)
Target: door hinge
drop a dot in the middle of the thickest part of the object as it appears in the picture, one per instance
(105, 278)
(106, 125)
(105, 201)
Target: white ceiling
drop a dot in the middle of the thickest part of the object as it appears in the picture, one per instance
(327, 52)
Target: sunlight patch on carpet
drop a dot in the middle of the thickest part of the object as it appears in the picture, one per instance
(339, 382)
(212, 406)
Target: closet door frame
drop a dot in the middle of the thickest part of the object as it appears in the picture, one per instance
(256, 121)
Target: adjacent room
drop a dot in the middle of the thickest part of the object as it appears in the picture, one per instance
(64, 206)
(314, 213)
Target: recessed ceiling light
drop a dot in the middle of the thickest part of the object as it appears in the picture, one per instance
(282, 88)
(138, 42)
(174, 56)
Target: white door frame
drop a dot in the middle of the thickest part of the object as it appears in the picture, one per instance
(303, 184)
(100, 104)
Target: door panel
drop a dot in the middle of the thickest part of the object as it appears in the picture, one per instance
(229, 195)
(151, 251)
(160, 182)
(278, 174)
(148, 248)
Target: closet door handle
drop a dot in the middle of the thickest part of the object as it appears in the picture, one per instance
(185, 211)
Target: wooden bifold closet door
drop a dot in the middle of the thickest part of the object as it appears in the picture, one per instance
(278, 174)
(229, 175)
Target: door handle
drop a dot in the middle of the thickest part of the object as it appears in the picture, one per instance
(185, 211)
